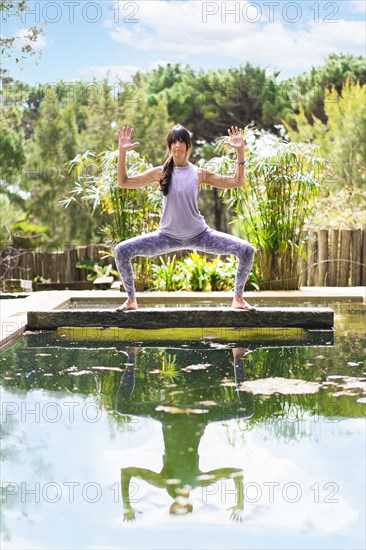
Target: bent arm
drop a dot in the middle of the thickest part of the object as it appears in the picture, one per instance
(225, 182)
(152, 175)
(229, 473)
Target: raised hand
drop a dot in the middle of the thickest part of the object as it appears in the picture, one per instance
(236, 138)
(125, 138)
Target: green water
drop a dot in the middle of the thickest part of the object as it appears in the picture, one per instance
(147, 443)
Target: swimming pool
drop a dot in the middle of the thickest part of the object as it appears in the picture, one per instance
(234, 439)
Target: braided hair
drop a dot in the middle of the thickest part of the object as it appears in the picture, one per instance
(177, 133)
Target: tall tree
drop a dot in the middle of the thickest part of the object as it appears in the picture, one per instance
(310, 87)
(341, 137)
(12, 157)
(54, 144)
(101, 115)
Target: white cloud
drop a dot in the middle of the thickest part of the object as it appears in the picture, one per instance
(264, 467)
(114, 73)
(178, 28)
(158, 63)
(357, 6)
(111, 72)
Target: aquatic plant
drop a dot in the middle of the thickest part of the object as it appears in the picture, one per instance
(196, 273)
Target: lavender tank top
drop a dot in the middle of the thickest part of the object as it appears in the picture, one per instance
(181, 218)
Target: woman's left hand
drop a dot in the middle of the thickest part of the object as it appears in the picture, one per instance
(236, 138)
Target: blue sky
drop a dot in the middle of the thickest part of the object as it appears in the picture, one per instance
(90, 39)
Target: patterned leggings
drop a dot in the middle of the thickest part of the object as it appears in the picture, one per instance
(158, 242)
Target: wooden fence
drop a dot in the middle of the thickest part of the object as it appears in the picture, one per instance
(57, 266)
(335, 257)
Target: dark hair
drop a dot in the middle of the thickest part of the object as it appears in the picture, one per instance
(177, 133)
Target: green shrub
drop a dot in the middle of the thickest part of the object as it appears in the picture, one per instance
(195, 273)
(169, 275)
(97, 270)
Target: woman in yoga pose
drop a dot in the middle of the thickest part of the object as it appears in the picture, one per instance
(182, 226)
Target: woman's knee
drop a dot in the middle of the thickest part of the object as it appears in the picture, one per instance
(247, 251)
(253, 250)
(121, 250)
(117, 249)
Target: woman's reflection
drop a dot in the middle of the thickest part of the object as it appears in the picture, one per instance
(182, 432)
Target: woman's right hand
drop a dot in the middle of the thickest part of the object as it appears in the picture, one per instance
(125, 138)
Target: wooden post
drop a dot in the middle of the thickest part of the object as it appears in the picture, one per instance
(67, 273)
(81, 254)
(53, 266)
(75, 272)
(356, 257)
(32, 264)
(312, 260)
(92, 253)
(21, 266)
(333, 256)
(345, 257)
(60, 266)
(302, 269)
(28, 265)
(46, 265)
(37, 264)
(323, 266)
(363, 257)
(15, 272)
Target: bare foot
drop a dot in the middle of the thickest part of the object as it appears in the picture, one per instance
(130, 303)
(239, 303)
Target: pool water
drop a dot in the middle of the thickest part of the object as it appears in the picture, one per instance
(214, 441)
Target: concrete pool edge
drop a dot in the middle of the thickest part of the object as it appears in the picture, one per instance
(14, 312)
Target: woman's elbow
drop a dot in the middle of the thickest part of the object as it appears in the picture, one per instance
(123, 183)
(237, 183)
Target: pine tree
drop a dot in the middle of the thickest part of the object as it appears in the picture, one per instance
(341, 137)
(55, 143)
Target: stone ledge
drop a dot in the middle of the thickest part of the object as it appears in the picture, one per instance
(156, 318)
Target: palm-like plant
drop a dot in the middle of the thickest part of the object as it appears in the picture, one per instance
(124, 213)
(197, 271)
(274, 208)
(168, 275)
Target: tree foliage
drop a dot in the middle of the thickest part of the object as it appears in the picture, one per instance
(341, 137)
(12, 156)
(11, 47)
(311, 88)
(44, 127)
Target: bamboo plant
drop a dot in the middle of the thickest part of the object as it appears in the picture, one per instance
(274, 209)
(124, 213)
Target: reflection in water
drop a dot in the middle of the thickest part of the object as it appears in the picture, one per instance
(213, 432)
(183, 428)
